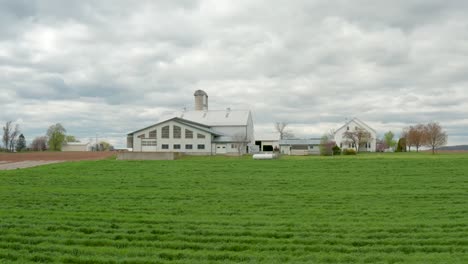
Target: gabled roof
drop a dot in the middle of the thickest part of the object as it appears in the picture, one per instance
(359, 122)
(185, 122)
(214, 118)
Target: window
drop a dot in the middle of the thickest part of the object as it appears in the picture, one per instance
(165, 132)
(141, 136)
(152, 134)
(341, 145)
(148, 143)
(165, 146)
(176, 146)
(369, 145)
(355, 128)
(188, 146)
(347, 128)
(188, 133)
(200, 146)
(349, 145)
(200, 136)
(176, 132)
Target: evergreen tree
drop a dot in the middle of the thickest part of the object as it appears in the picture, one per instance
(21, 143)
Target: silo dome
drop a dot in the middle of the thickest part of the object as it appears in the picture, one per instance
(200, 93)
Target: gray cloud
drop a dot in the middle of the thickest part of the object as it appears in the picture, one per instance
(110, 67)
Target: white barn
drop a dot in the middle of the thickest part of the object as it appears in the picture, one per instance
(76, 146)
(197, 132)
(353, 125)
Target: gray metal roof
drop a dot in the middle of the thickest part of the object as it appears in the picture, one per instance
(185, 122)
(214, 118)
(305, 141)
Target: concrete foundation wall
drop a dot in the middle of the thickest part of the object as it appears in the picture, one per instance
(148, 156)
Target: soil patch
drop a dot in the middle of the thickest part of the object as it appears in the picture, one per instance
(9, 161)
(45, 156)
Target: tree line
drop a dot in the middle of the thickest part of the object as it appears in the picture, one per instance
(429, 135)
(54, 139)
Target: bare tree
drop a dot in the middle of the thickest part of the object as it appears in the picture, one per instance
(14, 134)
(39, 144)
(280, 127)
(10, 133)
(240, 142)
(436, 137)
(358, 138)
(6, 135)
(417, 136)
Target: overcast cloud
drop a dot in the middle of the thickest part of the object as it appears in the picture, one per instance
(111, 67)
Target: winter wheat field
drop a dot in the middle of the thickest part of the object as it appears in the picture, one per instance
(379, 208)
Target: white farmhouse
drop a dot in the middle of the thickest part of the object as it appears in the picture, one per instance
(197, 132)
(354, 125)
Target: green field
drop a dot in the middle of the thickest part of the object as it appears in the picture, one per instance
(408, 208)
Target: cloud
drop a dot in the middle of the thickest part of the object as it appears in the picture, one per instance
(110, 67)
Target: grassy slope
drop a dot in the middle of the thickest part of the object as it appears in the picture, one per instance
(371, 208)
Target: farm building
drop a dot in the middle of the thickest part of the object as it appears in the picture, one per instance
(76, 146)
(300, 146)
(266, 145)
(354, 125)
(197, 132)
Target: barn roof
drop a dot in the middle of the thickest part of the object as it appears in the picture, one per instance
(214, 118)
(185, 122)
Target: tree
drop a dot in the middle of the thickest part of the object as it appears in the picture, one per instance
(381, 145)
(280, 127)
(416, 136)
(39, 144)
(240, 144)
(6, 135)
(401, 146)
(327, 143)
(21, 143)
(70, 138)
(358, 138)
(105, 146)
(13, 136)
(405, 135)
(10, 133)
(388, 139)
(56, 136)
(436, 137)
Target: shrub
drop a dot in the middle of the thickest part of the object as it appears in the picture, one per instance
(349, 152)
(336, 150)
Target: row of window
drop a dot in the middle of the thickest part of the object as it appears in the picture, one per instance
(187, 146)
(176, 133)
(352, 145)
(148, 142)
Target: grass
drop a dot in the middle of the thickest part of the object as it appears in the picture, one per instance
(387, 208)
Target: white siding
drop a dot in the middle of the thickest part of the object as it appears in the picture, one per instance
(137, 146)
(340, 141)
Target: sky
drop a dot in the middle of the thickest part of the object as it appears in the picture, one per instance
(107, 68)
